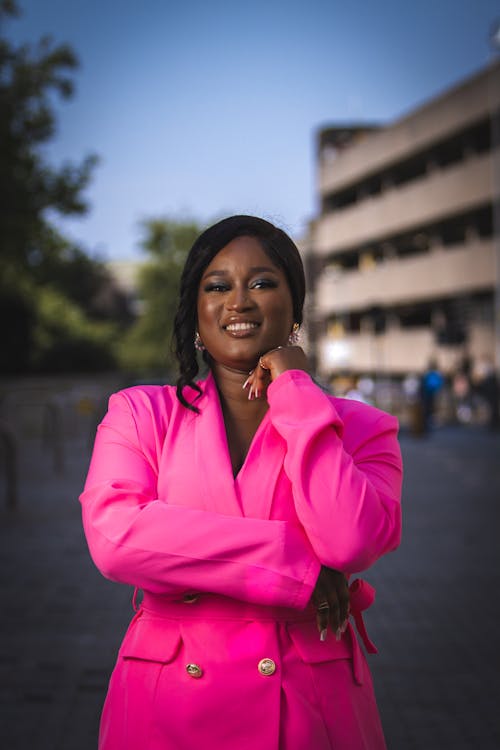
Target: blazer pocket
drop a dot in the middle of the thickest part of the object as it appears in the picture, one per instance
(152, 639)
(311, 650)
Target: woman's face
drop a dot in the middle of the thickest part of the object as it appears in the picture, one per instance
(244, 305)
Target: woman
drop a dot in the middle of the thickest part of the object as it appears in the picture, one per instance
(233, 503)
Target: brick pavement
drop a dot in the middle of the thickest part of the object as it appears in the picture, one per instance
(435, 622)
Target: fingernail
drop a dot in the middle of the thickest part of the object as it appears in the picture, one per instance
(338, 634)
(245, 383)
(323, 634)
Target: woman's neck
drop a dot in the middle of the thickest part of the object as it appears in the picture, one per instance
(234, 398)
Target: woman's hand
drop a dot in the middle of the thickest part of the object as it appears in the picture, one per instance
(272, 364)
(331, 598)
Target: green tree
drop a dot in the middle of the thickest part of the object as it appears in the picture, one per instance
(29, 186)
(36, 262)
(146, 347)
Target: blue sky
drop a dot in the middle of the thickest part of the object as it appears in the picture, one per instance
(209, 108)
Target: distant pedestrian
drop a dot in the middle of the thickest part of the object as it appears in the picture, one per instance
(489, 388)
(431, 383)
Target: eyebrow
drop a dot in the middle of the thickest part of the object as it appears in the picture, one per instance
(254, 269)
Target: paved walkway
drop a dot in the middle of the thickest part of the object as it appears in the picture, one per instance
(436, 620)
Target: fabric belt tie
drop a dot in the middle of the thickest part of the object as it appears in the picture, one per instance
(362, 596)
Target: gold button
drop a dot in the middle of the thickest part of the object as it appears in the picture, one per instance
(190, 598)
(194, 670)
(267, 666)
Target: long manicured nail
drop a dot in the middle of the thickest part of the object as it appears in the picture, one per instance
(245, 383)
(323, 634)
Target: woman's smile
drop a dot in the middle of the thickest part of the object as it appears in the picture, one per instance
(241, 329)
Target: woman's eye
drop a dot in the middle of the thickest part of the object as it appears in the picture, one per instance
(216, 288)
(263, 284)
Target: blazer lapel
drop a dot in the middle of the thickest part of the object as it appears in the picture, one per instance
(212, 455)
(256, 482)
(251, 493)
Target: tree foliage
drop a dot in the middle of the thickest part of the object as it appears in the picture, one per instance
(39, 267)
(146, 346)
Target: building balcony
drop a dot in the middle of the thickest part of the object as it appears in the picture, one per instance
(441, 193)
(397, 351)
(393, 352)
(421, 129)
(440, 273)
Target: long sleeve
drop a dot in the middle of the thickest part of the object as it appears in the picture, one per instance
(345, 473)
(138, 539)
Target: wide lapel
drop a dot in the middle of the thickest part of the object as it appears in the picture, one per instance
(212, 455)
(256, 482)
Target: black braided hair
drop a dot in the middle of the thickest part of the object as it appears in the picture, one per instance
(281, 250)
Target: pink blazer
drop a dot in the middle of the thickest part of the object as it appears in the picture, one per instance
(228, 565)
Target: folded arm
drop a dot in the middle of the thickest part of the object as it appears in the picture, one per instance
(136, 538)
(346, 477)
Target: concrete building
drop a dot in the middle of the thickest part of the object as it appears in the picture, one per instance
(402, 258)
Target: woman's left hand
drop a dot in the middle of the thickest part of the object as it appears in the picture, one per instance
(331, 599)
(272, 364)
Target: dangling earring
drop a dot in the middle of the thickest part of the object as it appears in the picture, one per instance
(294, 336)
(198, 343)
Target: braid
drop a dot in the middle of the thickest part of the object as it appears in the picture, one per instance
(183, 339)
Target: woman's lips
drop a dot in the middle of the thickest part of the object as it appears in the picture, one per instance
(240, 330)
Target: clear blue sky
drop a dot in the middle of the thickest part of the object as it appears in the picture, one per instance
(207, 108)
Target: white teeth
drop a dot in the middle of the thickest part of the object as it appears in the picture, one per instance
(241, 326)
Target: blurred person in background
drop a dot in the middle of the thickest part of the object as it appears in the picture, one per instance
(240, 504)
(462, 391)
(488, 388)
(431, 384)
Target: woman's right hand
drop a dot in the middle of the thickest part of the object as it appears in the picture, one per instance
(272, 364)
(331, 599)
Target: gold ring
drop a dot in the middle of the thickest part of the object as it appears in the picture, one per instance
(261, 365)
(270, 352)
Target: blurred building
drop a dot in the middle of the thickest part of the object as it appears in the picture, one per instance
(401, 258)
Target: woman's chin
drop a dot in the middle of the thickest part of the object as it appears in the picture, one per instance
(240, 366)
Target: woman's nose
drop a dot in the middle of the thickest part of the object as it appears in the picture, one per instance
(239, 299)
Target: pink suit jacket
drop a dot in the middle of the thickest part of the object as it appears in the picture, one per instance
(228, 566)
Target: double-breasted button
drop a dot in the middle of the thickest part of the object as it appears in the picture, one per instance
(266, 667)
(190, 598)
(194, 670)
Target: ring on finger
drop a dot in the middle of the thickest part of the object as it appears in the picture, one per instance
(323, 606)
(270, 352)
(262, 365)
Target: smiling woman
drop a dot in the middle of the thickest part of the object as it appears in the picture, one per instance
(240, 505)
(244, 305)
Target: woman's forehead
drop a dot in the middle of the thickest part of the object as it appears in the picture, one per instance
(244, 253)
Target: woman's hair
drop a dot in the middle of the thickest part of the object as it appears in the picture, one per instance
(280, 249)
